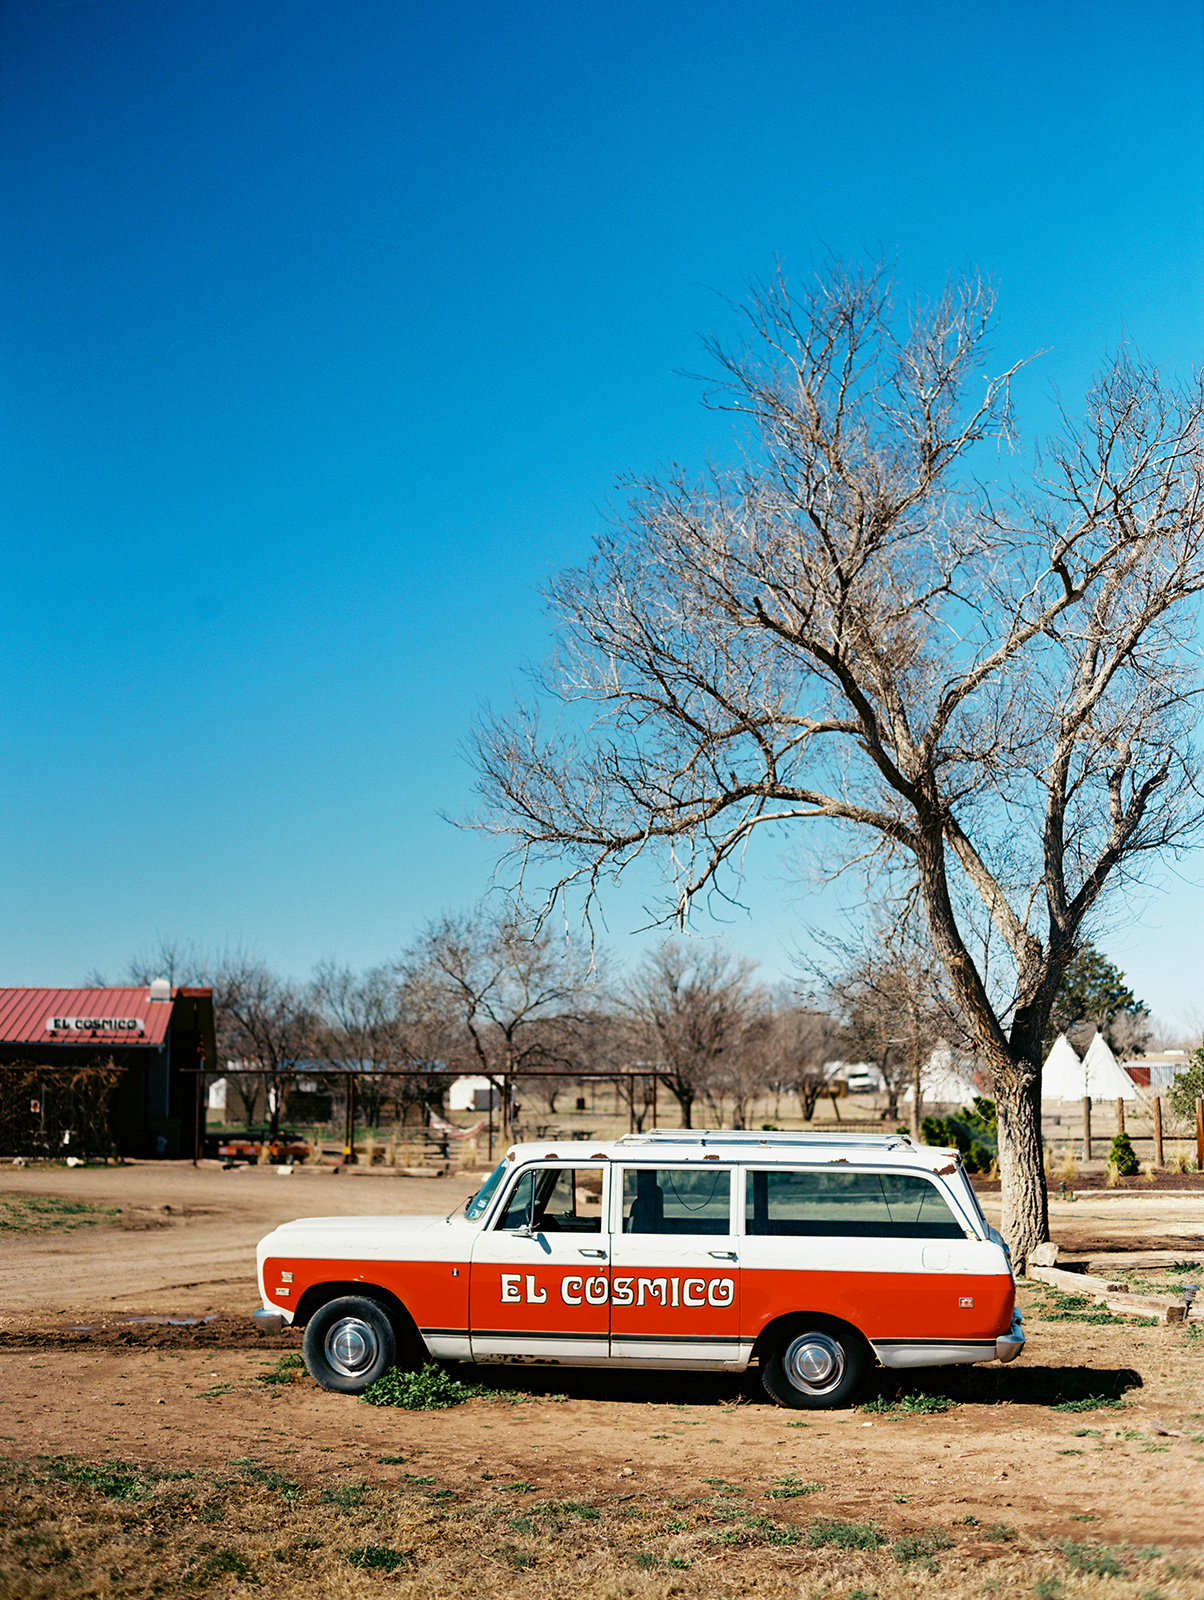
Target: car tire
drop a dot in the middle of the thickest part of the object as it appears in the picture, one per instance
(349, 1343)
(815, 1369)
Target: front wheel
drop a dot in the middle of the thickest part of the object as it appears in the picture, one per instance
(349, 1343)
(814, 1369)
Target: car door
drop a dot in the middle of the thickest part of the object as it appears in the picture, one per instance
(539, 1280)
(881, 1250)
(675, 1278)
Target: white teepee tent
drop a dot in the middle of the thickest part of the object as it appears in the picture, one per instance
(1063, 1076)
(1106, 1078)
(1066, 1078)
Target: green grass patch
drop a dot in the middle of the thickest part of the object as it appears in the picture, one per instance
(1100, 1316)
(47, 1213)
(349, 1498)
(114, 1479)
(791, 1488)
(565, 1508)
(1091, 1402)
(908, 1405)
(225, 1564)
(379, 1558)
(844, 1535)
(431, 1389)
(253, 1472)
(1096, 1559)
(289, 1369)
(920, 1549)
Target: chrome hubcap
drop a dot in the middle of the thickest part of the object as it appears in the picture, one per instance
(814, 1363)
(350, 1346)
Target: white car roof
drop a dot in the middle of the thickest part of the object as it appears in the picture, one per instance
(789, 1148)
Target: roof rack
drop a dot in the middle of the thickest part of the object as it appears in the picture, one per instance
(750, 1136)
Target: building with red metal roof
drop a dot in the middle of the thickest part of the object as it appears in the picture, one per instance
(104, 1071)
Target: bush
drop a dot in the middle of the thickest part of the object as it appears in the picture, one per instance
(973, 1132)
(1188, 1087)
(1123, 1158)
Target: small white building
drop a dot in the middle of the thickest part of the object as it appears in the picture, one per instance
(472, 1094)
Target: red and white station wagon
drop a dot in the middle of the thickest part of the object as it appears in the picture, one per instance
(809, 1254)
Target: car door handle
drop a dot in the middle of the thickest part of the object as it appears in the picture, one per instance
(722, 1255)
(600, 1253)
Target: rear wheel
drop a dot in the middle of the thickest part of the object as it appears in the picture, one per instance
(815, 1369)
(349, 1343)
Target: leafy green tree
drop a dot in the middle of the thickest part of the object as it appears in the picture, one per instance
(1093, 994)
(1188, 1087)
(975, 1133)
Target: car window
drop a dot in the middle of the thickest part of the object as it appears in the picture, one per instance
(556, 1200)
(856, 1205)
(479, 1203)
(677, 1200)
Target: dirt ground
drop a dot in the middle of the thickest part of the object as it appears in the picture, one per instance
(1024, 1495)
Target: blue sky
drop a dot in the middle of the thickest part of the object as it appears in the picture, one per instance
(328, 328)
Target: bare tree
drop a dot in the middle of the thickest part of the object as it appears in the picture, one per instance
(693, 1004)
(805, 1040)
(888, 989)
(183, 965)
(991, 692)
(519, 993)
(265, 1024)
(375, 1024)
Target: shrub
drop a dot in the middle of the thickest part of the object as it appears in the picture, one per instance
(1123, 1158)
(432, 1389)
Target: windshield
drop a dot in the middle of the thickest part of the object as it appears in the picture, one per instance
(479, 1203)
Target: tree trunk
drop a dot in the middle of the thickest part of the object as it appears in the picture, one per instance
(1025, 1220)
(916, 1102)
(808, 1094)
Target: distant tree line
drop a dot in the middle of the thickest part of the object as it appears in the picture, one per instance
(490, 993)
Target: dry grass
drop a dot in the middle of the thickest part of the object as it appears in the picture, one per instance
(72, 1528)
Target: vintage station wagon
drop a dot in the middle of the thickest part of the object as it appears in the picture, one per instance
(809, 1254)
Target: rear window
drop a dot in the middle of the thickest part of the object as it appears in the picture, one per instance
(851, 1205)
